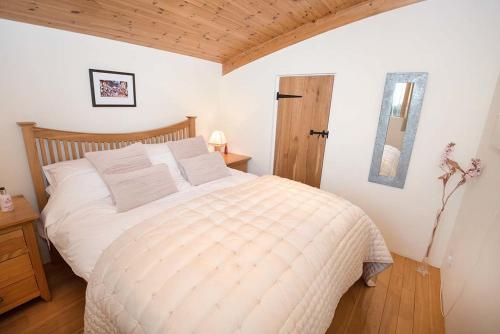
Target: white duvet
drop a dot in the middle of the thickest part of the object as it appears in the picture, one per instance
(269, 255)
(81, 221)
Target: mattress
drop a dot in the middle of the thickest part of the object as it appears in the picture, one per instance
(269, 255)
(81, 221)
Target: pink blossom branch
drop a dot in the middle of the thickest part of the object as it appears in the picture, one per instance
(451, 167)
(440, 212)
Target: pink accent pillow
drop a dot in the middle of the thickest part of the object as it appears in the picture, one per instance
(130, 176)
(139, 187)
(204, 168)
(187, 148)
(122, 160)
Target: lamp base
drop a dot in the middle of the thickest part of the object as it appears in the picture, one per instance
(222, 149)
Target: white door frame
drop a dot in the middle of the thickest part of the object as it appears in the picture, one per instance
(275, 113)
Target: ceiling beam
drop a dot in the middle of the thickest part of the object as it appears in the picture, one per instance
(326, 23)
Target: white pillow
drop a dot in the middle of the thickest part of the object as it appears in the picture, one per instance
(74, 193)
(50, 190)
(60, 171)
(161, 154)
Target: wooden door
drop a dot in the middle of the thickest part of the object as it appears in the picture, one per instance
(304, 106)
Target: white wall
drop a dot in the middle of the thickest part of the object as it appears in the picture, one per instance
(470, 284)
(456, 41)
(44, 78)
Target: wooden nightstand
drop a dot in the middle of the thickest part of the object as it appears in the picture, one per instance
(22, 277)
(236, 161)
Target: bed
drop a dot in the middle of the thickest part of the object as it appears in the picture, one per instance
(240, 254)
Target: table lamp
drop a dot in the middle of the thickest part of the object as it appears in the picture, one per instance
(218, 141)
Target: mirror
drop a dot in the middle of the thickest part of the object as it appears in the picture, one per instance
(399, 115)
(396, 128)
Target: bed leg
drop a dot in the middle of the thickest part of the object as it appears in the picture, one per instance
(55, 257)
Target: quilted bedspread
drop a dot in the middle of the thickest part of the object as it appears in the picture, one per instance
(267, 256)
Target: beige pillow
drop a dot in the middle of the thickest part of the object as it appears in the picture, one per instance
(204, 168)
(138, 187)
(130, 176)
(188, 148)
(122, 160)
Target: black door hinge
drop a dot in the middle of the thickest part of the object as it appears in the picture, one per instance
(287, 96)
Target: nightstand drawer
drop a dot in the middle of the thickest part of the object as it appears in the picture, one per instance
(14, 270)
(21, 269)
(18, 293)
(12, 244)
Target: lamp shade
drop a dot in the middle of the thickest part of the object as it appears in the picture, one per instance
(217, 138)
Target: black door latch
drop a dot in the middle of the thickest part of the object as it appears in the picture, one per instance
(287, 96)
(323, 133)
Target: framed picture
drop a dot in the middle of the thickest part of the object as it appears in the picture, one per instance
(112, 89)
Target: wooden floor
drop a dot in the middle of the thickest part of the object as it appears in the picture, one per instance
(402, 302)
(63, 314)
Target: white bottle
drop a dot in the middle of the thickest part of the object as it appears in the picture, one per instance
(6, 204)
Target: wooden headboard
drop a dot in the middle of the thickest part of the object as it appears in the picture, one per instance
(48, 146)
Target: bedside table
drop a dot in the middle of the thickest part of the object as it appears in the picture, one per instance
(236, 161)
(22, 277)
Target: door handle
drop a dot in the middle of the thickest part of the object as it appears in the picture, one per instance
(323, 133)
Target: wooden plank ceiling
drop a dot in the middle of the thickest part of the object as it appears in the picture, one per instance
(231, 32)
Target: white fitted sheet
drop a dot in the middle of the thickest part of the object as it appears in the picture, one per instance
(81, 221)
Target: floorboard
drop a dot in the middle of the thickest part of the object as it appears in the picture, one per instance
(392, 303)
(403, 302)
(63, 314)
(407, 302)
